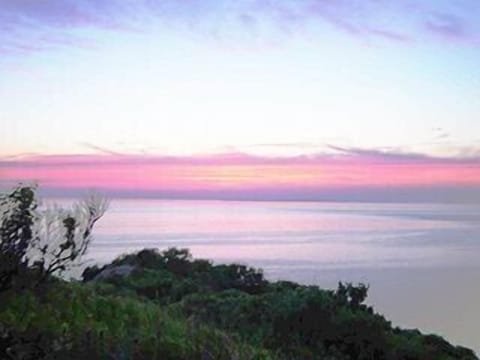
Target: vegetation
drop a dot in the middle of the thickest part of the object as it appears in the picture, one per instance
(166, 305)
(36, 244)
(288, 320)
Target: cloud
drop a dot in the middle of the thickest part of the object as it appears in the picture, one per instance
(396, 156)
(62, 13)
(447, 26)
(332, 154)
(32, 25)
(342, 174)
(100, 149)
(389, 35)
(440, 134)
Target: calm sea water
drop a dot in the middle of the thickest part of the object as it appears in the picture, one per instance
(421, 260)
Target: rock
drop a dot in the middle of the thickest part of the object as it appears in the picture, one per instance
(114, 271)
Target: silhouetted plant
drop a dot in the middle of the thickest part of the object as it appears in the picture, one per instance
(63, 236)
(348, 294)
(17, 213)
(36, 243)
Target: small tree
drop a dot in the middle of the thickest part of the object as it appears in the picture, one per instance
(354, 296)
(17, 211)
(45, 241)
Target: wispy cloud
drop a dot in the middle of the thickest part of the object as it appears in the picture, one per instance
(446, 25)
(30, 25)
(99, 149)
(440, 134)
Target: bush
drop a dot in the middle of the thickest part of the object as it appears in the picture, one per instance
(17, 213)
(290, 320)
(38, 243)
(73, 321)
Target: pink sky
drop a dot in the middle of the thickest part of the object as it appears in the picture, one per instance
(273, 77)
(369, 175)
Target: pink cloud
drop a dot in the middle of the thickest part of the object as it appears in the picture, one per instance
(240, 175)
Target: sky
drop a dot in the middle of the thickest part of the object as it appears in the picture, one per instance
(370, 100)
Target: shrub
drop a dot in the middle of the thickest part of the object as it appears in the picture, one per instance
(37, 243)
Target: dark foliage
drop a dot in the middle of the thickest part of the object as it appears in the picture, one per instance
(173, 273)
(15, 235)
(166, 305)
(292, 321)
(25, 260)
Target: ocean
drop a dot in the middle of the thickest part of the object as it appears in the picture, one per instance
(420, 260)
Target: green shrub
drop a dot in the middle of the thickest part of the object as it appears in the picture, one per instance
(174, 307)
(75, 319)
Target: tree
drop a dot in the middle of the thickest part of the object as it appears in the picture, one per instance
(45, 240)
(354, 296)
(17, 211)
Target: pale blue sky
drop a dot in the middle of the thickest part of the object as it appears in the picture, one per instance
(194, 77)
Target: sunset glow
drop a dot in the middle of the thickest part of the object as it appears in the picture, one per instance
(246, 176)
(296, 99)
(230, 179)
